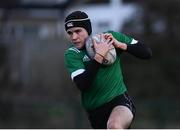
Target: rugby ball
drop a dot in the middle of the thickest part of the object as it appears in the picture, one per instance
(110, 56)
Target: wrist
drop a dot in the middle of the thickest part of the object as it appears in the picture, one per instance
(99, 58)
(122, 46)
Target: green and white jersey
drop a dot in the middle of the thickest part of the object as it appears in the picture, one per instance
(108, 82)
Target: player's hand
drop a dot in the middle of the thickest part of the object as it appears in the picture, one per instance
(116, 43)
(103, 47)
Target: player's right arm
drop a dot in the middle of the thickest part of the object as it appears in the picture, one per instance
(84, 80)
(81, 76)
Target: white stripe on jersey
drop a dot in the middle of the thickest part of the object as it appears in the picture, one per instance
(74, 49)
(134, 41)
(77, 72)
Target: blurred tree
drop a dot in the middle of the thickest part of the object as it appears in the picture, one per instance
(156, 23)
(156, 12)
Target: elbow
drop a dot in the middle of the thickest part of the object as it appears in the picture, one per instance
(145, 52)
(82, 85)
(140, 50)
(148, 53)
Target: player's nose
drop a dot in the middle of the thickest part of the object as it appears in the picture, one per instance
(74, 36)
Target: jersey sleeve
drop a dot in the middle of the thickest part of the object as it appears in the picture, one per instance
(74, 63)
(139, 50)
(123, 38)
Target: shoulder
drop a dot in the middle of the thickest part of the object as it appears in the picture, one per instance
(72, 50)
(114, 33)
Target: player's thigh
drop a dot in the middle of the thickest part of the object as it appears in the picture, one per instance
(120, 117)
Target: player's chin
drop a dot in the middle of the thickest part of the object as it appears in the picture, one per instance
(79, 46)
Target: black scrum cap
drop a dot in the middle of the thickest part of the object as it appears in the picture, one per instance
(78, 19)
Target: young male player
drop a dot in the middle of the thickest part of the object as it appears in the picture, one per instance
(104, 94)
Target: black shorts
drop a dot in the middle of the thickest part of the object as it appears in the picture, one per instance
(99, 116)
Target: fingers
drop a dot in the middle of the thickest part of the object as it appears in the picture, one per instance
(104, 46)
(108, 41)
(94, 42)
(101, 37)
(110, 44)
(108, 36)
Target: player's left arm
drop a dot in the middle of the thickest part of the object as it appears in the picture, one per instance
(139, 50)
(136, 48)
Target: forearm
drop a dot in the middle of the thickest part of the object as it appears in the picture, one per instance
(84, 80)
(139, 50)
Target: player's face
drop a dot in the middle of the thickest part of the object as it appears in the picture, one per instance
(77, 36)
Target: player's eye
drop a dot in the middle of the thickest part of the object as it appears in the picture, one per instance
(69, 32)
